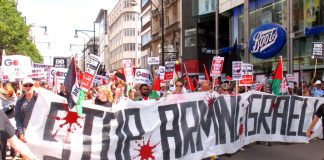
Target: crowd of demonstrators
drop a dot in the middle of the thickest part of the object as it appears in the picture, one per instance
(117, 90)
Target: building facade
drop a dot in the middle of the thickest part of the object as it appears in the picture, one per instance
(89, 49)
(146, 32)
(124, 34)
(102, 21)
(172, 29)
(302, 19)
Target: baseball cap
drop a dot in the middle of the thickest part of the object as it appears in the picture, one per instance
(27, 81)
(318, 82)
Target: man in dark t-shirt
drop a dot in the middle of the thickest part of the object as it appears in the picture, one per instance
(318, 114)
(7, 133)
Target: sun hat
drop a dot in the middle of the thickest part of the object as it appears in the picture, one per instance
(27, 81)
(318, 82)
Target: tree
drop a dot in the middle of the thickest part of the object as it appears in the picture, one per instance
(14, 33)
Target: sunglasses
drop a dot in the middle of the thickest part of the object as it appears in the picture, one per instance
(178, 85)
(28, 85)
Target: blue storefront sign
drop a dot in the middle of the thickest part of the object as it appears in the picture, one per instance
(267, 40)
(314, 30)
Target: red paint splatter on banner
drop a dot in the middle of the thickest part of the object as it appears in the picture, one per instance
(274, 105)
(145, 150)
(211, 101)
(241, 130)
(71, 120)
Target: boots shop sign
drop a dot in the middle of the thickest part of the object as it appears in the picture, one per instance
(267, 40)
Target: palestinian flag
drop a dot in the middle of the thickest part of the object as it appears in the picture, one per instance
(277, 78)
(156, 84)
(71, 85)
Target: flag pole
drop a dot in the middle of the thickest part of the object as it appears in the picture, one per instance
(214, 79)
(187, 76)
(314, 74)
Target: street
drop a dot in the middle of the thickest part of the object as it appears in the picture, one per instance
(280, 151)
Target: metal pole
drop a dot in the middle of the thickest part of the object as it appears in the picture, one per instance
(290, 60)
(246, 31)
(216, 26)
(94, 38)
(162, 38)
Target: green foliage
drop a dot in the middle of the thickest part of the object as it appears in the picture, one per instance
(14, 33)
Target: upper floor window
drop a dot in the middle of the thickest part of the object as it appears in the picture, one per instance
(144, 2)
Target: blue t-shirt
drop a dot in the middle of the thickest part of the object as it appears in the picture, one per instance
(317, 92)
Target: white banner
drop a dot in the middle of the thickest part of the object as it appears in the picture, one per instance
(16, 66)
(183, 126)
(142, 76)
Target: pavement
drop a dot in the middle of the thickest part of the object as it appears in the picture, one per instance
(280, 151)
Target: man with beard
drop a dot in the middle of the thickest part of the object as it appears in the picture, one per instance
(145, 93)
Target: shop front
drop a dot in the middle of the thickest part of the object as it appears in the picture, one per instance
(308, 27)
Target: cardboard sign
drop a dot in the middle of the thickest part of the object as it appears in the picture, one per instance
(161, 72)
(223, 77)
(290, 77)
(142, 76)
(169, 70)
(16, 66)
(91, 67)
(47, 70)
(247, 77)
(60, 74)
(60, 62)
(217, 66)
(128, 70)
(153, 60)
(237, 70)
(3, 77)
(37, 73)
(201, 78)
(318, 49)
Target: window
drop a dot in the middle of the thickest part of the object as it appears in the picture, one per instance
(146, 38)
(190, 37)
(129, 32)
(144, 2)
(129, 47)
(146, 18)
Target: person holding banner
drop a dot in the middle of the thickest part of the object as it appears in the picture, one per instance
(103, 97)
(178, 87)
(24, 107)
(205, 86)
(62, 92)
(7, 133)
(318, 114)
(317, 90)
(145, 94)
(119, 91)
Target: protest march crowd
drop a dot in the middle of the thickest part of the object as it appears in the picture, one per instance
(18, 99)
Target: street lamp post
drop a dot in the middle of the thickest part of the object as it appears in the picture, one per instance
(161, 16)
(84, 32)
